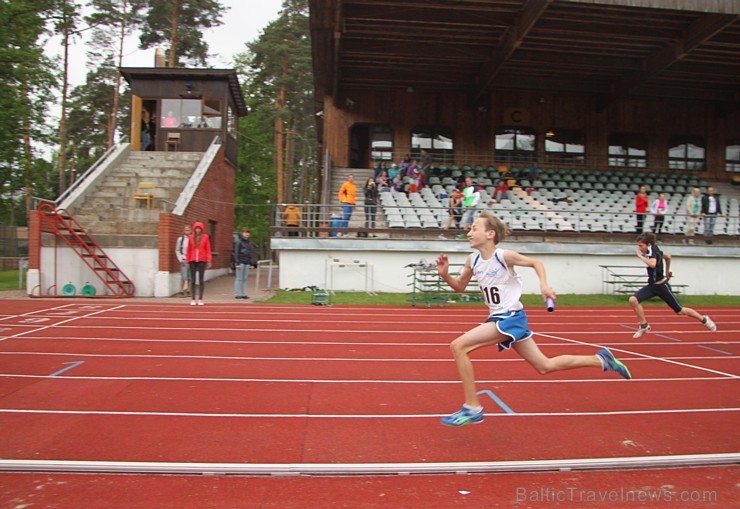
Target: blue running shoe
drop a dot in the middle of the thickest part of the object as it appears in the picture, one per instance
(462, 417)
(611, 363)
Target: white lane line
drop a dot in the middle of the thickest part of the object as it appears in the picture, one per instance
(402, 334)
(357, 416)
(652, 357)
(59, 324)
(362, 381)
(32, 313)
(279, 342)
(313, 359)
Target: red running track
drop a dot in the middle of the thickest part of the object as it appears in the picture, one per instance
(303, 385)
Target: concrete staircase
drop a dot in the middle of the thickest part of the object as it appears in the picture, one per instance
(108, 210)
(339, 177)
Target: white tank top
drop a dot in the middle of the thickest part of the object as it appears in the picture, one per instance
(500, 289)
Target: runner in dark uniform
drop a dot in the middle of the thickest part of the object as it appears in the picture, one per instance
(658, 271)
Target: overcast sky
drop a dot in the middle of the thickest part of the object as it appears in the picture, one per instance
(242, 23)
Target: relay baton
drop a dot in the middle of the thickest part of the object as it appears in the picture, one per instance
(550, 304)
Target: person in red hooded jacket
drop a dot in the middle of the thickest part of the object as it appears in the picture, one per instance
(198, 257)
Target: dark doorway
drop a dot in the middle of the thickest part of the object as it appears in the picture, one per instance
(359, 146)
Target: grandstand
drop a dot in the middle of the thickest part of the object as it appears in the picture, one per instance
(553, 201)
(599, 95)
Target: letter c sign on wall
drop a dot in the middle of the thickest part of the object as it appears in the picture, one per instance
(517, 116)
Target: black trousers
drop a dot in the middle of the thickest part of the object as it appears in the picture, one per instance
(199, 269)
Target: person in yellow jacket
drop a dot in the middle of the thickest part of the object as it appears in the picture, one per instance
(292, 217)
(347, 198)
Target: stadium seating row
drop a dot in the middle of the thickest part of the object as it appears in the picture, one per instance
(549, 210)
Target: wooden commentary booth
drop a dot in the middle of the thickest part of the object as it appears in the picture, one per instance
(184, 109)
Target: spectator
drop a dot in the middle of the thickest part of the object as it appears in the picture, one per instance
(393, 172)
(709, 210)
(244, 257)
(414, 175)
(404, 166)
(347, 198)
(471, 198)
(199, 258)
(379, 169)
(397, 185)
(170, 120)
(501, 190)
(146, 138)
(693, 209)
(455, 209)
(292, 217)
(426, 161)
(383, 182)
(659, 208)
(181, 248)
(641, 207)
(371, 204)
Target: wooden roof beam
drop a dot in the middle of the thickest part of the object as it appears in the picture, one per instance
(701, 30)
(531, 11)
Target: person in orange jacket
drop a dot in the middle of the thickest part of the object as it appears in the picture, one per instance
(347, 194)
(198, 257)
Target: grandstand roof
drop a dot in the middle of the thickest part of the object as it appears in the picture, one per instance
(684, 49)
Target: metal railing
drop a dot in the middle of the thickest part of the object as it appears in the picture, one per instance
(326, 220)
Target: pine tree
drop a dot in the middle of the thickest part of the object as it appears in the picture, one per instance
(180, 24)
(26, 77)
(278, 83)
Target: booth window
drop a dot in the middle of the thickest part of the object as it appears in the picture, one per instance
(732, 156)
(628, 150)
(687, 153)
(515, 144)
(438, 141)
(191, 114)
(565, 146)
(381, 142)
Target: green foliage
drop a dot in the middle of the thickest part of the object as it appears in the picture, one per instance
(280, 59)
(111, 20)
(26, 77)
(91, 105)
(9, 280)
(192, 17)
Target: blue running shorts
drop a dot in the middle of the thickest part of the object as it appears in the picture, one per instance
(513, 324)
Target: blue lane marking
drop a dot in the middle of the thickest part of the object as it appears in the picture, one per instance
(714, 349)
(668, 337)
(497, 400)
(680, 341)
(72, 365)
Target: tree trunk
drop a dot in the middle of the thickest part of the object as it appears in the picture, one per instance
(173, 33)
(65, 92)
(117, 89)
(279, 158)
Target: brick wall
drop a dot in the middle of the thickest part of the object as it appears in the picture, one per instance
(34, 239)
(213, 202)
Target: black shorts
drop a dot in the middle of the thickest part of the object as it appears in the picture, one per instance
(663, 291)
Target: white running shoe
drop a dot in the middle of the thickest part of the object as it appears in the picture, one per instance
(192, 303)
(201, 303)
(641, 330)
(709, 324)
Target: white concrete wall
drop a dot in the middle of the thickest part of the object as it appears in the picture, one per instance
(571, 268)
(61, 265)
